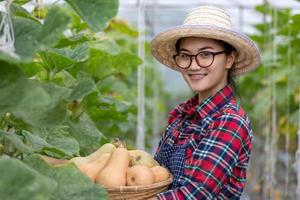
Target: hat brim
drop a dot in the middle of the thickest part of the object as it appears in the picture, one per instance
(248, 56)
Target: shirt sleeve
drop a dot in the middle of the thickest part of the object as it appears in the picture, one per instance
(213, 160)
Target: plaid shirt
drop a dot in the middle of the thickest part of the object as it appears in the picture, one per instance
(219, 137)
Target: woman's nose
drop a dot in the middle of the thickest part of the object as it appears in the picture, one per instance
(194, 64)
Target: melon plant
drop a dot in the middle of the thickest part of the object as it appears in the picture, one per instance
(71, 87)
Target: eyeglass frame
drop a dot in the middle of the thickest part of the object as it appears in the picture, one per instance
(195, 55)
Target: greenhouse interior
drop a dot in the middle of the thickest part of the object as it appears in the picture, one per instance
(86, 105)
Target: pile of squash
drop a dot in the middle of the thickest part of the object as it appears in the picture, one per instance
(112, 166)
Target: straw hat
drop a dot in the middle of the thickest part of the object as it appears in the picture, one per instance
(208, 22)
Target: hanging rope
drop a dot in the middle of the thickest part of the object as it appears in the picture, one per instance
(266, 173)
(7, 39)
(287, 136)
(274, 135)
(140, 138)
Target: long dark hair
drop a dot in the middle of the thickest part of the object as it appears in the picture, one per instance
(228, 49)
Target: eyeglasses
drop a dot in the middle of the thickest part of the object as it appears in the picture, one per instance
(204, 59)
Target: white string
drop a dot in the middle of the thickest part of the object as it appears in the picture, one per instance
(287, 136)
(272, 137)
(7, 38)
(267, 175)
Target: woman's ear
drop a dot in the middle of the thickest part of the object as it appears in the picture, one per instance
(230, 60)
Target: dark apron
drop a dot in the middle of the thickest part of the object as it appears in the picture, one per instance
(172, 157)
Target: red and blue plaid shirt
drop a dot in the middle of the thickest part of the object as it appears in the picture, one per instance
(219, 136)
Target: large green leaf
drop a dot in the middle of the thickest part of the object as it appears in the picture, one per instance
(71, 183)
(21, 182)
(58, 59)
(126, 62)
(26, 32)
(40, 107)
(86, 133)
(102, 64)
(60, 145)
(12, 84)
(56, 143)
(96, 13)
(55, 23)
(84, 87)
(60, 138)
(108, 45)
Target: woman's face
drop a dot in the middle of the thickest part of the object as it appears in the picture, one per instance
(205, 81)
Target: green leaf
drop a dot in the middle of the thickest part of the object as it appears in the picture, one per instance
(12, 84)
(35, 142)
(16, 141)
(108, 45)
(40, 107)
(126, 62)
(84, 87)
(21, 2)
(56, 92)
(30, 69)
(74, 39)
(96, 13)
(58, 59)
(26, 32)
(123, 27)
(45, 117)
(21, 182)
(55, 23)
(60, 138)
(60, 146)
(102, 64)
(71, 183)
(86, 133)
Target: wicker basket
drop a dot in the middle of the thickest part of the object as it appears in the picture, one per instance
(138, 192)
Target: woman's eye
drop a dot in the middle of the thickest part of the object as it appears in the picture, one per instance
(205, 54)
(183, 56)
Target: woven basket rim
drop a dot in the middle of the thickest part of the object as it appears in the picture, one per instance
(141, 188)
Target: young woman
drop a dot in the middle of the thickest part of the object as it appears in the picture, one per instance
(207, 142)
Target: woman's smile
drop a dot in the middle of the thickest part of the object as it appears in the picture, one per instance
(197, 76)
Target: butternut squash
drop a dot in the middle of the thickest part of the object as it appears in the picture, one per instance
(92, 169)
(139, 157)
(160, 173)
(106, 148)
(139, 175)
(114, 173)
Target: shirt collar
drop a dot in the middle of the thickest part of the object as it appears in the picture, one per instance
(207, 106)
